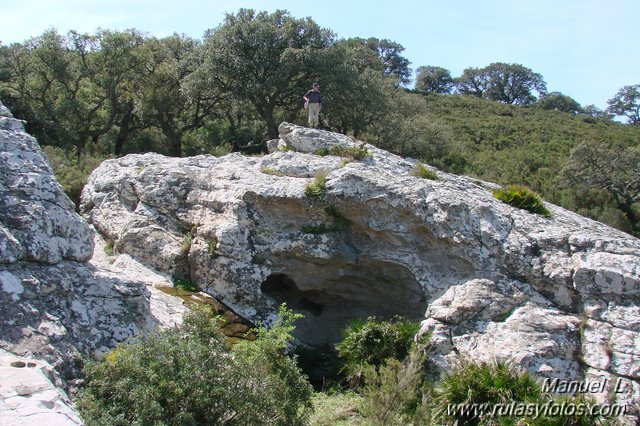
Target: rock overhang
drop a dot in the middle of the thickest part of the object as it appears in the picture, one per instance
(402, 245)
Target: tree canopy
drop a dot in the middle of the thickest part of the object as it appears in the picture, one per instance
(626, 103)
(434, 79)
(559, 102)
(267, 60)
(91, 96)
(507, 83)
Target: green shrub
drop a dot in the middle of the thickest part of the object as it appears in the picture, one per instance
(422, 172)
(483, 383)
(493, 383)
(281, 393)
(317, 188)
(372, 343)
(189, 376)
(185, 285)
(393, 392)
(522, 198)
(71, 171)
(322, 152)
(286, 148)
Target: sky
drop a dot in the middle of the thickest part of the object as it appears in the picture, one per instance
(586, 49)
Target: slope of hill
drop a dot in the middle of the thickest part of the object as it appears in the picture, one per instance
(528, 145)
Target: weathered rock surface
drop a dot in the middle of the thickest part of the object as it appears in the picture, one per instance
(28, 396)
(56, 306)
(559, 296)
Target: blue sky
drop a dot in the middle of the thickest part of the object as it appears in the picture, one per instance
(586, 49)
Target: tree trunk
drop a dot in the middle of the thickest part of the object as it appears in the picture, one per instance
(174, 137)
(626, 206)
(272, 127)
(123, 133)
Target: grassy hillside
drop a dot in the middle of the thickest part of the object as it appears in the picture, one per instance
(527, 145)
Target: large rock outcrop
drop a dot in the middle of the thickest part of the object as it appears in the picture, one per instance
(56, 306)
(559, 296)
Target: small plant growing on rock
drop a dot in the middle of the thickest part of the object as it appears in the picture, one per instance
(108, 247)
(322, 152)
(523, 198)
(424, 173)
(339, 221)
(186, 285)
(355, 153)
(287, 148)
(271, 171)
(317, 229)
(213, 248)
(317, 188)
(186, 243)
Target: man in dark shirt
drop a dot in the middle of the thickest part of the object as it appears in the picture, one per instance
(313, 102)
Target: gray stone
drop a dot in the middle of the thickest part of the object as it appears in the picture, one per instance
(28, 397)
(490, 281)
(56, 306)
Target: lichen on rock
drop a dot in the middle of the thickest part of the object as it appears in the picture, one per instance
(487, 279)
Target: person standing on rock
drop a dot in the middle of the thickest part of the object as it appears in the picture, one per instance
(313, 103)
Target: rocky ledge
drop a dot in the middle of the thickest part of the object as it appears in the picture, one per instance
(56, 305)
(559, 296)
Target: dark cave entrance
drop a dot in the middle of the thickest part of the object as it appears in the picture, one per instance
(328, 304)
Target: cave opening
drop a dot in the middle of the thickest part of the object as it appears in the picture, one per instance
(330, 300)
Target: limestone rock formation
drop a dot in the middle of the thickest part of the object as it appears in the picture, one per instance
(28, 396)
(559, 296)
(56, 306)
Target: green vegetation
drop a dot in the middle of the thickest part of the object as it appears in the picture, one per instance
(531, 146)
(185, 285)
(490, 383)
(522, 198)
(339, 408)
(186, 243)
(393, 392)
(72, 170)
(87, 97)
(271, 171)
(422, 172)
(108, 247)
(189, 376)
(372, 342)
(212, 248)
(319, 228)
(317, 188)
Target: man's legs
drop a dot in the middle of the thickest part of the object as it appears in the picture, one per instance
(314, 111)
